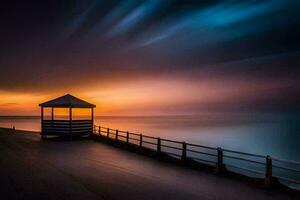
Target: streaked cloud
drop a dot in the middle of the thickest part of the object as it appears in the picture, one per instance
(216, 23)
(151, 55)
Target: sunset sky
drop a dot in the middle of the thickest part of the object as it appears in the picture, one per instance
(152, 57)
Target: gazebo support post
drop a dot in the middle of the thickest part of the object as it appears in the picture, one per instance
(92, 116)
(52, 118)
(42, 119)
(70, 118)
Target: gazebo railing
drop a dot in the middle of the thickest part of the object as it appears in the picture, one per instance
(67, 127)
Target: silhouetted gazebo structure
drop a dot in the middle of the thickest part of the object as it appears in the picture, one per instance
(67, 127)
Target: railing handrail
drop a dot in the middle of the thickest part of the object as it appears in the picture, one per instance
(202, 146)
(65, 120)
(286, 161)
(247, 154)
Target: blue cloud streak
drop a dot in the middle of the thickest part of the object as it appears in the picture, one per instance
(221, 22)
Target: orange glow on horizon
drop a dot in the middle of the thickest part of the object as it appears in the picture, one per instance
(161, 96)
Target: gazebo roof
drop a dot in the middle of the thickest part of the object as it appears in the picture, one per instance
(67, 101)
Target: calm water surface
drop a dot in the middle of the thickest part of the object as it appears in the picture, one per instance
(276, 134)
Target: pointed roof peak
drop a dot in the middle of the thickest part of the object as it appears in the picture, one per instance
(67, 101)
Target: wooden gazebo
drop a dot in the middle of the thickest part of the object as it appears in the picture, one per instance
(67, 127)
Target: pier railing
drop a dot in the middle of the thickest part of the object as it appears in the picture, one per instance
(253, 165)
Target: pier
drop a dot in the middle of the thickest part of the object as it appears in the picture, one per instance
(31, 168)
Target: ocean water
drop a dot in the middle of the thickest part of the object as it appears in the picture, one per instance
(276, 134)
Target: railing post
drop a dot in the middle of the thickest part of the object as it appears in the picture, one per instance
(107, 132)
(117, 134)
(127, 137)
(183, 156)
(99, 131)
(268, 177)
(141, 140)
(158, 145)
(220, 165)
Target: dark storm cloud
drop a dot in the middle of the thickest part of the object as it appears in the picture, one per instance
(51, 43)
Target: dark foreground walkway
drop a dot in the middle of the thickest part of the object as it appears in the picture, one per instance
(32, 169)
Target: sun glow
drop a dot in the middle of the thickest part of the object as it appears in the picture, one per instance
(146, 97)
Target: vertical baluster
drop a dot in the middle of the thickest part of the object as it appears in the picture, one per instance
(268, 177)
(183, 156)
(220, 165)
(127, 137)
(141, 140)
(158, 145)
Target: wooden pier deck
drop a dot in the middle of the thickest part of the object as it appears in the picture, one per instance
(86, 169)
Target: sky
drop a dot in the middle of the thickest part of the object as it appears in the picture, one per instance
(151, 57)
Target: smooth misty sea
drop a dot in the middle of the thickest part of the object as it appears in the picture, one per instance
(276, 134)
